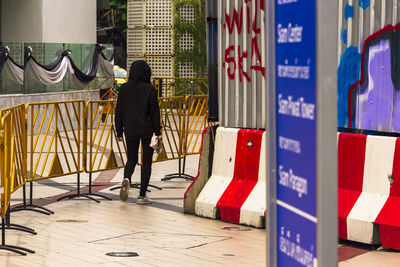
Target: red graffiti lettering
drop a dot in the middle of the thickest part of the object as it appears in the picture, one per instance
(256, 51)
(253, 30)
(236, 19)
(242, 72)
(248, 19)
(228, 60)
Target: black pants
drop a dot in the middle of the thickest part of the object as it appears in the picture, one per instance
(145, 172)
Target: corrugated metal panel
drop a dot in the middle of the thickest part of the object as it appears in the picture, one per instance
(212, 58)
(242, 54)
(358, 21)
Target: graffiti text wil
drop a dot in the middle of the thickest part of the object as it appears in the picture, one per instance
(234, 21)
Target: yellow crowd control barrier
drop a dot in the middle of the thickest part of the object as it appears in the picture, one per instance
(196, 122)
(50, 139)
(104, 152)
(173, 117)
(176, 86)
(7, 168)
(56, 138)
(14, 147)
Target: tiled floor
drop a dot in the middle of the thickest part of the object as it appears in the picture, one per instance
(81, 231)
(160, 233)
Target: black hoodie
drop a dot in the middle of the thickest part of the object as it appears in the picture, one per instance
(137, 113)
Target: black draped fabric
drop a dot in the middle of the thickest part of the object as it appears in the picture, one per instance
(29, 56)
(92, 72)
(3, 57)
(55, 72)
(15, 63)
(111, 58)
(16, 69)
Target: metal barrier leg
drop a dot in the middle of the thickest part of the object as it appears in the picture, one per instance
(179, 174)
(16, 249)
(90, 190)
(78, 192)
(31, 206)
(17, 227)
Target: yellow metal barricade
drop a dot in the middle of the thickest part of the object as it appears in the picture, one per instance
(7, 168)
(176, 86)
(173, 116)
(19, 139)
(196, 122)
(104, 152)
(55, 138)
(13, 152)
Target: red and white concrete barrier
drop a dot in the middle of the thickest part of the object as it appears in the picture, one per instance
(368, 184)
(236, 190)
(364, 164)
(389, 217)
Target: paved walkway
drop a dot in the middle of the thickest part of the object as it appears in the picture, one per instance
(81, 231)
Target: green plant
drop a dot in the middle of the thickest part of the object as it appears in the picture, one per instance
(119, 7)
(197, 28)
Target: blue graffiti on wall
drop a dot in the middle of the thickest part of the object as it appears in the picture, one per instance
(348, 71)
(363, 4)
(348, 11)
(344, 36)
(375, 94)
(376, 102)
(348, 74)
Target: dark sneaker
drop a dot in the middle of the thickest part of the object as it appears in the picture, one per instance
(143, 200)
(124, 193)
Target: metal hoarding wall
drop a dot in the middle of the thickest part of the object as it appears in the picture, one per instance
(360, 19)
(212, 58)
(242, 95)
(360, 24)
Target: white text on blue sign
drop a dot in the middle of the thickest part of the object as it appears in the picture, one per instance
(296, 108)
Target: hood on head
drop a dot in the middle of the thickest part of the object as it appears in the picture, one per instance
(140, 71)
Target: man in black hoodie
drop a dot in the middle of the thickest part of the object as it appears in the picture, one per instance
(138, 116)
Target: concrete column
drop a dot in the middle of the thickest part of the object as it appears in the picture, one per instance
(49, 21)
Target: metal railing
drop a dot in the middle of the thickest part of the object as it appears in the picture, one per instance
(103, 151)
(56, 132)
(18, 134)
(51, 139)
(196, 122)
(175, 86)
(172, 112)
(7, 164)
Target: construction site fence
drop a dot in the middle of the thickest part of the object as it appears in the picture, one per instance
(52, 139)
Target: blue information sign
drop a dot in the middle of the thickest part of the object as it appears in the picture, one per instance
(296, 113)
